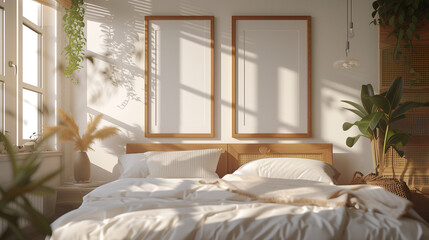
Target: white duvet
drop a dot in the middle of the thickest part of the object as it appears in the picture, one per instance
(239, 207)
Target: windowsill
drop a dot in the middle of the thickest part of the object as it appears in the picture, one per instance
(22, 155)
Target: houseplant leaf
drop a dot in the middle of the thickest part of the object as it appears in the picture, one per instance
(407, 106)
(397, 138)
(367, 91)
(394, 94)
(399, 151)
(368, 123)
(397, 118)
(14, 205)
(351, 141)
(357, 112)
(347, 126)
(381, 102)
(400, 15)
(36, 218)
(360, 110)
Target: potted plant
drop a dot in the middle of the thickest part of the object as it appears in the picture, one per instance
(377, 112)
(14, 203)
(403, 16)
(68, 130)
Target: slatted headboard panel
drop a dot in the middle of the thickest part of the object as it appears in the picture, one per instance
(239, 154)
(235, 155)
(145, 147)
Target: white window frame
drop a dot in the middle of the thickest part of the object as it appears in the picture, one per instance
(21, 84)
(9, 107)
(14, 85)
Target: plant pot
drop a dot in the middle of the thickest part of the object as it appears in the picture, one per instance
(392, 185)
(82, 168)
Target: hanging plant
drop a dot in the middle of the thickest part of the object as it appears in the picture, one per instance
(74, 29)
(404, 16)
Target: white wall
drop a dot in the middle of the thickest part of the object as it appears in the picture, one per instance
(114, 85)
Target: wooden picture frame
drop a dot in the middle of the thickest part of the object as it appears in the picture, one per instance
(179, 76)
(271, 59)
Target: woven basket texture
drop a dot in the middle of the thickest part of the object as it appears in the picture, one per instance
(392, 185)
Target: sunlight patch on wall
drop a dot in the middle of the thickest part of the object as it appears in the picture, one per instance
(94, 37)
(293, 119)
(334, 108)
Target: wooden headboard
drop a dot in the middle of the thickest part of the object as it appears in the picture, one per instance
(235, 155)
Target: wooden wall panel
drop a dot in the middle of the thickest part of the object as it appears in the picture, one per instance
(413, 66)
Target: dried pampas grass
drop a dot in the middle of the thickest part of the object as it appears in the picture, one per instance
(68, 130)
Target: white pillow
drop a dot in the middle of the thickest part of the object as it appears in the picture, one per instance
(183, 164)
(133, 165)
(290, 168)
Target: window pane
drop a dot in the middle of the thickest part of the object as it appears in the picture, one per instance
(1, 40)
(31, 56)
(31, 113)
(32, 11)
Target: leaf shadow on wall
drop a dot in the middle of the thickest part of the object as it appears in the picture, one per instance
(113, 50)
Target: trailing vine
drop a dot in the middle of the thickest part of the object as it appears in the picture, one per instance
(74, 29)
(404, 16)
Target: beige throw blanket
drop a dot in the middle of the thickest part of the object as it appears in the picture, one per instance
(366, 197)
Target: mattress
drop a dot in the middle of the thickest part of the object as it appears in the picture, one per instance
(239, 207)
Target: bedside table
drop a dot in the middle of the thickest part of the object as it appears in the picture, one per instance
(69, 196)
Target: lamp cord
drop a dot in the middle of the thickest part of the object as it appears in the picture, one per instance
(347, 30)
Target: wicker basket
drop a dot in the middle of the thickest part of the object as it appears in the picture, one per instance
(392, 185)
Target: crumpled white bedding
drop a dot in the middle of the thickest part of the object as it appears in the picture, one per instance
(154, 208)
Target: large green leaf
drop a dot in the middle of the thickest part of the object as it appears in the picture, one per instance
(368, 123)
(362, 111)
(399, 151)
(347, 126)
(397, 118)
(18, 191)
(375, 5)
(10, 152)
(36, 218)
(381, 102)
(351, 141)
(394, 94)
(43, 191)
(357, 112)
(397, 138)
(407, 106)
(12, 226)
(367, 91)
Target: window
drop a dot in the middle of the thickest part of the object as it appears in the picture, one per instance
(31, 85)
(27, 44)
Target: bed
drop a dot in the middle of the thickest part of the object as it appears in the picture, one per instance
(259, 191)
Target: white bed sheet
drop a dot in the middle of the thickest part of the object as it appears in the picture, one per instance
(154, 208)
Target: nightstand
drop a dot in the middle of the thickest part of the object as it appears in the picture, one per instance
(69, 196)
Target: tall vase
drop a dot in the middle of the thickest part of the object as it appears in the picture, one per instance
(82, 168)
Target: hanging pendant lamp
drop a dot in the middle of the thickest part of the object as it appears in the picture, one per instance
(347, 62)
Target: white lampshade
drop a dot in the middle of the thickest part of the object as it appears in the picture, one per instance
(346, 63)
